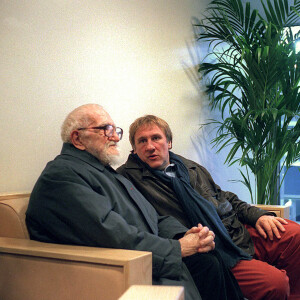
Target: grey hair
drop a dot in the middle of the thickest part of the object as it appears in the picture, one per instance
(80, 117)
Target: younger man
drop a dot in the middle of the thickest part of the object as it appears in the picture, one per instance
(184, 189)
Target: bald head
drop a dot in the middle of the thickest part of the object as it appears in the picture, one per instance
(81, 116)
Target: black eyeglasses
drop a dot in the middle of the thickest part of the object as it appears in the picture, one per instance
(108, 130)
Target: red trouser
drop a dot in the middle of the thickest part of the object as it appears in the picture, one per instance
(275, 272)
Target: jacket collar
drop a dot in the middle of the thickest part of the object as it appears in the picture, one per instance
(188, 163)
(134, 163)
(70, 150)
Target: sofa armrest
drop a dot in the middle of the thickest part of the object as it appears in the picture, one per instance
(280, 210)
(34, 270)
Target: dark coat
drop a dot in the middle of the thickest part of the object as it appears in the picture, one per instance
(77, 200)
(233, 212)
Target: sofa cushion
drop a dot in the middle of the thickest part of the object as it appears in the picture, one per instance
(12, 218)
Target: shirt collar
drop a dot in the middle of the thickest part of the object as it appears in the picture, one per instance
(170, 170)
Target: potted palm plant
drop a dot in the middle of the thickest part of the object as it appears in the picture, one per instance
(252, 75)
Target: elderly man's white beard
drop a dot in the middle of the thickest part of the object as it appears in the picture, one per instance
(107, 158)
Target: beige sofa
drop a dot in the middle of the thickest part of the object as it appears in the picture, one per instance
(31, 270)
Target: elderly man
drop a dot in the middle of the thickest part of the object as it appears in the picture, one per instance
(182, 188)
(79, 199)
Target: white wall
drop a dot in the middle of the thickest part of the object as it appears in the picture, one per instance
(126, 55)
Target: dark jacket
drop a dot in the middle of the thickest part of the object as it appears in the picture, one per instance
(77, 200)
(233, 212)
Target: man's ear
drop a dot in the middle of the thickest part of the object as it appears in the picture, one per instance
(133, 150)
(76, 140)
(169, 144)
